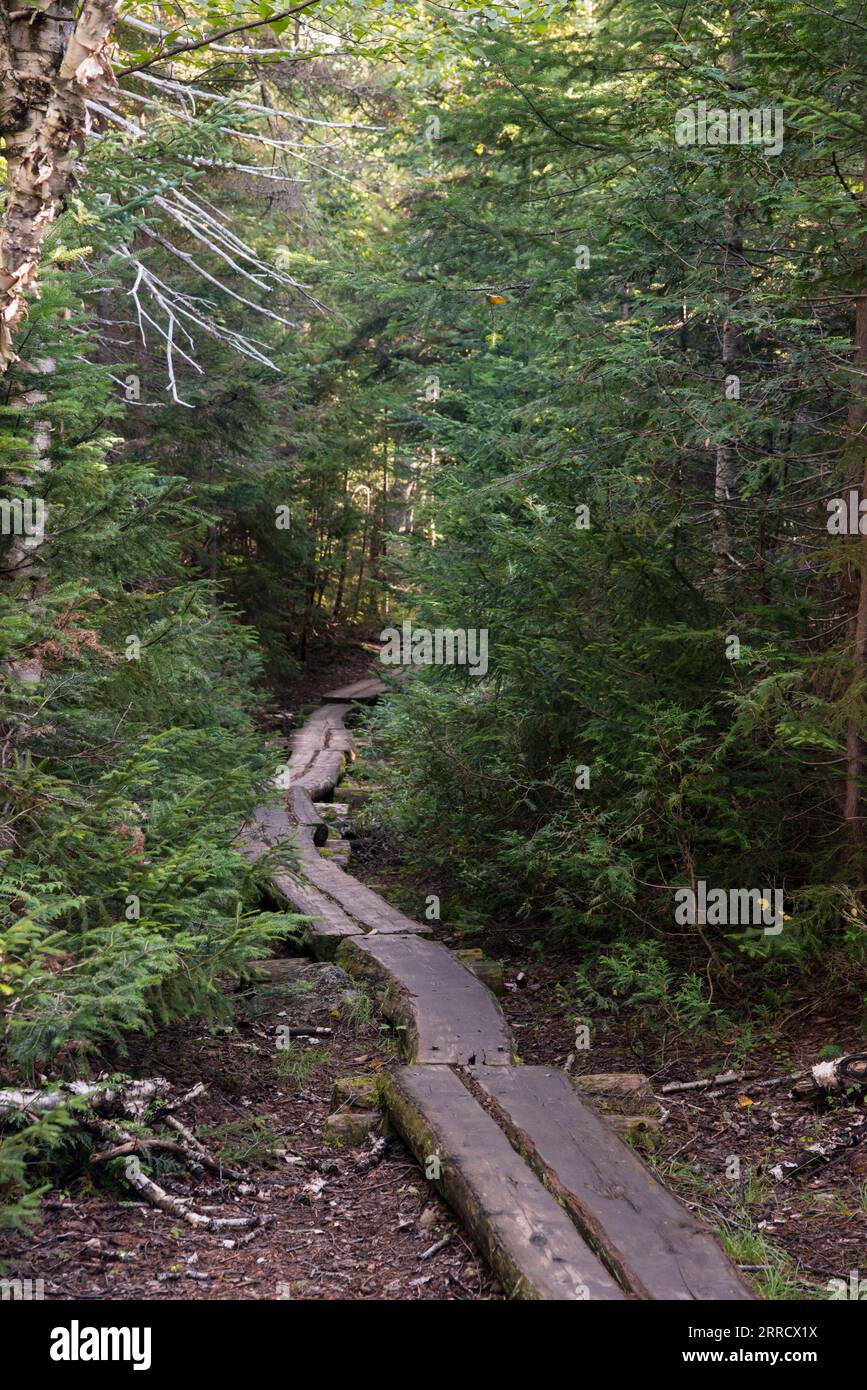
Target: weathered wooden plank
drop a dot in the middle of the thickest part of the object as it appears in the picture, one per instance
(369, 689)
(328, 925)
(321, 775)
(657, 1248)
(367, 907)
(314, 736)
(270, 826)
(523, 1233)
(305, 813)
(444, 1013)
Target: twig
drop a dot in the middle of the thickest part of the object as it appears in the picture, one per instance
(725, 1078)
(220, 34)
(435, 1249)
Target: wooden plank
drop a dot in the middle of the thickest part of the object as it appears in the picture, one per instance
(657, 1248)
(369, 689)
(271, 825)
(321, 774)
(314, 734)
(305, 813)
(523, 1233)
(367, 907)
(328, 925)
(444, 1012)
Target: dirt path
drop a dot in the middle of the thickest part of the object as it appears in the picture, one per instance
(561, 1208)
(337, 1223)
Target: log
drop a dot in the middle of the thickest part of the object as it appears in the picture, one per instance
(305, 813)
(128, 1098)
(832, 1078)
(626, 1093)
(365, 906)
(524, 1234)
(329, 924)
(656, 1248)
(443, 1013)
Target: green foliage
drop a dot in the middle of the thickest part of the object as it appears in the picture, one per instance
(404, 355)
(638, 985)
(22, 1146)
(124, 900)
(600, 385)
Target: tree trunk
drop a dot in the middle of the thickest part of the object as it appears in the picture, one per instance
(857, 422)
(726, 470)
(725, 474)
(47, 70)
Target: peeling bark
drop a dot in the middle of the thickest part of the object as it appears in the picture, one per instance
(49, 68)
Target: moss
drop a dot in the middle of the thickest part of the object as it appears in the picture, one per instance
(360, 1092)
(451, 1184)
(395, 1002)
(349, 1128)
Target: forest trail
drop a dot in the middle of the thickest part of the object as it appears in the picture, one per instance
(558, 1204)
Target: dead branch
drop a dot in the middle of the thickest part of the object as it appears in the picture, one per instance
(129, 1098)
(726, 1078)
(832, 1078)
(40, 130)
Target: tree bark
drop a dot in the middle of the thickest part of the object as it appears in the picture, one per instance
(726, 470)
(853, 808)
(48, 69)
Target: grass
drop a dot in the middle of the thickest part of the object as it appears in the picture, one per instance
(358, 1013)
(299, 1061)
(768, 1267)
(238, 1142)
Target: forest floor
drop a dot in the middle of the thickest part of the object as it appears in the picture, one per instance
(330, 1229)
(349, 1223)
(793, 1234)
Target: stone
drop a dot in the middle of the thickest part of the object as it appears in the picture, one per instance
(490, 972)
(360, 1092)
(349, 1128)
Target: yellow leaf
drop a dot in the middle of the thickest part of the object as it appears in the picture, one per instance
(745, 1100)
(496, 299)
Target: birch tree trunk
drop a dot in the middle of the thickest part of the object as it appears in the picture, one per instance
(47, 67)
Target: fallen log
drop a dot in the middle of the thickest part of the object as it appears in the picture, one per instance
(832, 1078)
(129, 1099)
(139, 1180)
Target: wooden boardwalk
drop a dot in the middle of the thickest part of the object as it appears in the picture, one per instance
(561, 1207)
